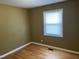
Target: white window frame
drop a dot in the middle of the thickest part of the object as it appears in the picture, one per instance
(54, 35)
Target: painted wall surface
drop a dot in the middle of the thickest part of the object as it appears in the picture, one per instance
(14, 28)
(70, 26)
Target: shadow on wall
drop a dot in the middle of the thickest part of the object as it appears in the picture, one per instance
(70, 26)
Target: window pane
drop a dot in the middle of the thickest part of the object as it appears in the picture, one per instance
(55, 29)
(53, 17)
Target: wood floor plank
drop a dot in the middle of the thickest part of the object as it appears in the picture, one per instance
(39, 52)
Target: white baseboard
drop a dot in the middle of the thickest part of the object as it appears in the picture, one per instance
(56, 48)
(15, 50)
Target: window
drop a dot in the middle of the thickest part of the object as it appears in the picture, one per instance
(53, 23)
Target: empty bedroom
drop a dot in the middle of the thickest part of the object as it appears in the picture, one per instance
(39, 29)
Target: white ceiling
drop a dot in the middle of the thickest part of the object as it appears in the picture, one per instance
(29, 3)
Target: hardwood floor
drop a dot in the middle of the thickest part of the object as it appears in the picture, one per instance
(39, 52)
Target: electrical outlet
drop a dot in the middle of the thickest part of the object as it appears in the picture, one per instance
(41, 40)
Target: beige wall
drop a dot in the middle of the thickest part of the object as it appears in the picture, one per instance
(14, 28)
(70, 26)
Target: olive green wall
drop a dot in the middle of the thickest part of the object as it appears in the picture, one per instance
(14, 28)
(77, 4)
(70, 26)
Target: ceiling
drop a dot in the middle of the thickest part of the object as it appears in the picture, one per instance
(29, 3)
